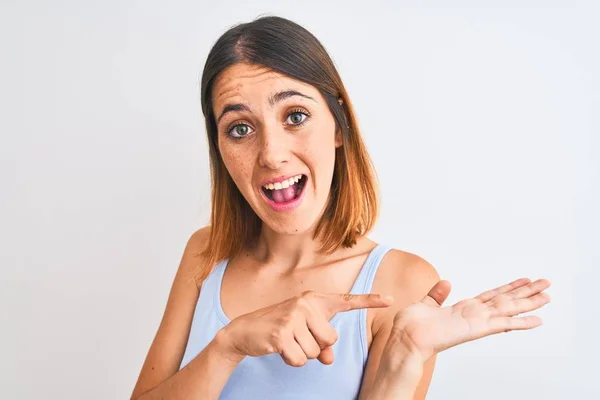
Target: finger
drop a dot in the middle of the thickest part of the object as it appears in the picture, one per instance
(326, 356)
(438, 293)
(347, 302)
(506, 324)
(321, 330)
(307, 342)
(490, 294)
(514, 307)
(529, 290)
(293, 354)
(325, 335)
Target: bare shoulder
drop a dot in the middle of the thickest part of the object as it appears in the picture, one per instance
(406, 276)
(191, 261)
(200, 236)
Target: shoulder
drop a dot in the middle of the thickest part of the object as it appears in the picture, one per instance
(192, 261)
(406, 276)
(198, 239)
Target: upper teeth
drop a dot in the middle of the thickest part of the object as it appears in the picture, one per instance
(283, 184)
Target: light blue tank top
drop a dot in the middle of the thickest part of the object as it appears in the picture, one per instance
(269, 377)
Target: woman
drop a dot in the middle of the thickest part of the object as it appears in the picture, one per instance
(283, 295)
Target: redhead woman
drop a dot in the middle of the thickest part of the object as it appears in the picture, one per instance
(283, 295)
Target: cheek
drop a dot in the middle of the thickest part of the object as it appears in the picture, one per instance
(323, 146)
(319, 154)
(323, 156)
(237, 163)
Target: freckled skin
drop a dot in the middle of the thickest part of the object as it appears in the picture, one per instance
(272, 145)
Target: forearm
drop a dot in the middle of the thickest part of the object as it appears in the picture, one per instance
(399, 383)
(203, 378)
(399, 372)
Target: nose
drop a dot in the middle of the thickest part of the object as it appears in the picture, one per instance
(274, 148)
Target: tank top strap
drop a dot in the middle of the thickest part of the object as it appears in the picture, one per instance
(211, 286)
(366, 276)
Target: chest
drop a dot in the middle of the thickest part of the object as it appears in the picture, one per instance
(248, 286)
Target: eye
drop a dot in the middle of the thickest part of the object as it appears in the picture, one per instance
(297, 117)
(239, 131)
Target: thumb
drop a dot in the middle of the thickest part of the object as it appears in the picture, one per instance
(438, 294)
(326, 356)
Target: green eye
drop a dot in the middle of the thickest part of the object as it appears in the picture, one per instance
(297, 117)
(239, 131)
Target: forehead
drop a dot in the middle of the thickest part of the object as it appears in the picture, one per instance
(254, 83)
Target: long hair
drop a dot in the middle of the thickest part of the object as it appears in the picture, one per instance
(286, 47)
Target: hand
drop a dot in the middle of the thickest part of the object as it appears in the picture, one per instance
(297, 328)
(425, 328)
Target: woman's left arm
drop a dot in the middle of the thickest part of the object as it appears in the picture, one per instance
(408, 278)
(425, 328)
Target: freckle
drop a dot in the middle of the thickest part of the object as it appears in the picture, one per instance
(152, 368)
(301, 282)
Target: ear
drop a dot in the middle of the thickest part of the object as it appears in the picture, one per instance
(338, 138)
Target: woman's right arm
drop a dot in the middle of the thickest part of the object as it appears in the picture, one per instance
(206, 375)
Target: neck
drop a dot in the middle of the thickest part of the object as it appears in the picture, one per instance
(289, 251)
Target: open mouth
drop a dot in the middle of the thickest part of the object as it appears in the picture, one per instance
(286, 191)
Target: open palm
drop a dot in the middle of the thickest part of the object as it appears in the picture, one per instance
(427, 328)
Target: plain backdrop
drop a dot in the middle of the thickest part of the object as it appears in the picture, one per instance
(482, 119)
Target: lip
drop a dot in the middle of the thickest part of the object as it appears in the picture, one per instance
(280, 178)
(289, 205)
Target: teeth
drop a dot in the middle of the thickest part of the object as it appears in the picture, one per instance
(284, 184)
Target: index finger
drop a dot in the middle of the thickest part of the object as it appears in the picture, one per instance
(347, 302)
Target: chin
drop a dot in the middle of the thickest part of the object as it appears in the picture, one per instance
(290, 225)
(293, 229)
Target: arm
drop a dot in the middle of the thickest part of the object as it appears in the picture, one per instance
(400, 375)
(204, 377)
(408, 278)
(425, 328)
(207, 374)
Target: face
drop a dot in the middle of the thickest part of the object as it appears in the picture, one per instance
(277, 139)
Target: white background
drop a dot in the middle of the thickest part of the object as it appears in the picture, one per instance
(481, 117)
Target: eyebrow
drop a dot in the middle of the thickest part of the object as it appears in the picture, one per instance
(273, 99)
